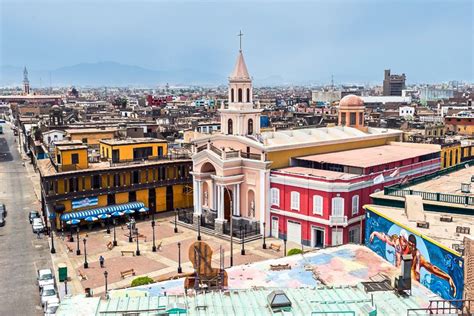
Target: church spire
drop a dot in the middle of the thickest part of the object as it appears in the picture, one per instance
(26, 82)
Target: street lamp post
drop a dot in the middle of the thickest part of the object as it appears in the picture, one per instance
(78, 250)
(53, 250)
(284, 248)
(153, 229)
(231, 232)
(105, 276)
(65, 286)
(130, 239)
(108, 226)
(242, 251)
(138, 249)
(176, 220)
(180, 270)
(86, 264)
(71, 236)
(264, 246)
(199, 227)
(115, 236)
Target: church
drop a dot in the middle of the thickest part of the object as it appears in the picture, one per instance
(234, 171)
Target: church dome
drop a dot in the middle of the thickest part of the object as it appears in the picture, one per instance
(351, 100)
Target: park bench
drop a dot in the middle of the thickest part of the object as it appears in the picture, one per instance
(275, 247)
(69, 249)
(127, 273)
(110, 245)
(142, 237)
(128, 251)
(82, 275)
(279, 267)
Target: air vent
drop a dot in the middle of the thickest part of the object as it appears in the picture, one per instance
(446, 218)
(422, 224)
(465, 187)
(463, 230)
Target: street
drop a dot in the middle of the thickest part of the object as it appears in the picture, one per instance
(21, 253)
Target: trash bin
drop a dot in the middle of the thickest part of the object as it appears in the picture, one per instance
(62, 272)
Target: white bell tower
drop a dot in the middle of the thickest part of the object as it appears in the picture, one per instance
(240, 117)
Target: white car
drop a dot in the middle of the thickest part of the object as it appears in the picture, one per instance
(50, 307)
(38, 226)
(45, 277)
(48, 293)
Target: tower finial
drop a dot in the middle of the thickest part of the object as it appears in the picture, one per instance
(240, 39)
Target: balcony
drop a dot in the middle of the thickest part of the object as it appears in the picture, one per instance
(230, 154)
(338, 220)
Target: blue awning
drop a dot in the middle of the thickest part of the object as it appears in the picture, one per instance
(102, 210)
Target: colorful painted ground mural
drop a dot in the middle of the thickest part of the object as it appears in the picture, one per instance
(436, 267)
(339, 266)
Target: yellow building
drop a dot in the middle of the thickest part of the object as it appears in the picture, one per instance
(91, 136)
(450, 154)
(158, 182)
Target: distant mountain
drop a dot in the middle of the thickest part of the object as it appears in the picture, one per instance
(107, 74)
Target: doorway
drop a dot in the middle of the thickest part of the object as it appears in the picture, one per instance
(227, 200)
(152, 200)
(275, 227)
(318, 237)
(169, 198)
(336, 236)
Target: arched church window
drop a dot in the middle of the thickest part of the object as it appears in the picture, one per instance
(232, 95)
(240, 95)
(229, 127)
(248, 95)
(250, 127)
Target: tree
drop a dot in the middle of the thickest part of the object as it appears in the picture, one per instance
(120, 102)
(144, 280)
(294, 251)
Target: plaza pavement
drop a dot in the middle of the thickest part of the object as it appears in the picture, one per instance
(158, 265)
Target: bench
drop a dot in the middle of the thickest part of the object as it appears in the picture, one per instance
(127, 273)
(142, 237)
(279, 267)
(110, 245)
(128, 251)
(82, 275)
(69, 249)
(275, 247)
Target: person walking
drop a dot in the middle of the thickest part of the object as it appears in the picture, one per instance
(101, 261)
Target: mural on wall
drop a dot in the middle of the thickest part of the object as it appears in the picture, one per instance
(440, 270)
(90, 201)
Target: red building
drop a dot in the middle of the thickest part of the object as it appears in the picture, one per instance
(318, 201)
(158, 101)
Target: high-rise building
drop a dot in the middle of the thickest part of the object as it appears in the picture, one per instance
(393, 84)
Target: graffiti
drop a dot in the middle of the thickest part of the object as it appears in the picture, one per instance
(433, 266)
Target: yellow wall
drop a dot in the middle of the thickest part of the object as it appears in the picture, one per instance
(93, 138)
(160, 199)
(281, 159)
(126, 151)
(121, 198)
(181, 199)
(142, 196)
(66, 157)
(446, 152)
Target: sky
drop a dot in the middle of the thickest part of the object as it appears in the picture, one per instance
(428, 40)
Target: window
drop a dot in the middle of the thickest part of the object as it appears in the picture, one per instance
(337, 206)
(275, 196)
(295, 200)
(136, 177)
(355, 204)
(84, 140)
(232, 95)
(229, 127)
(343, 118)
(317, 204)
(354, 235)
(239, 97)
(250, 127)
(248, 95)
(353, 119)
(132, 196)
(361, 117)
(75, 159)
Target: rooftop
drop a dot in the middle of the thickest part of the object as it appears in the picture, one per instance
(374, 156)
(326, 174)
(90, 130)
(440, 231)
(307, 137)
(129, 141)
(72, 147)
(449, 183)
(66, 142)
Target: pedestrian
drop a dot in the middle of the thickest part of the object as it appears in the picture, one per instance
(101, 261)
(38, 235)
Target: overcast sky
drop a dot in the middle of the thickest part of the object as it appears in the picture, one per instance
(353, 40)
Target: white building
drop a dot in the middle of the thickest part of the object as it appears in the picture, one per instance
(406, 111)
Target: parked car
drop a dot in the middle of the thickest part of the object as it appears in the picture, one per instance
(3, 214)
(45, 277)
(38, 226)
(50, 307)
(33, 215)
(48, 293)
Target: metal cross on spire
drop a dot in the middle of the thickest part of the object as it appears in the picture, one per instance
(240, 39)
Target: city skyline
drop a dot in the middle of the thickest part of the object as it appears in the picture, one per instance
(298, 43)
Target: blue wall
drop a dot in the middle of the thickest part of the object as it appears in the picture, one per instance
(446, 261)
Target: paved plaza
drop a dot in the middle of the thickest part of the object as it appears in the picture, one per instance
(160, 265)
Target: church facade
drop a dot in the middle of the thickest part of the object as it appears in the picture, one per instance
(233, 171)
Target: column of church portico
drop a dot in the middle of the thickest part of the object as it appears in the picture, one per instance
(237, 200)
(220, 220)
(197, 195)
